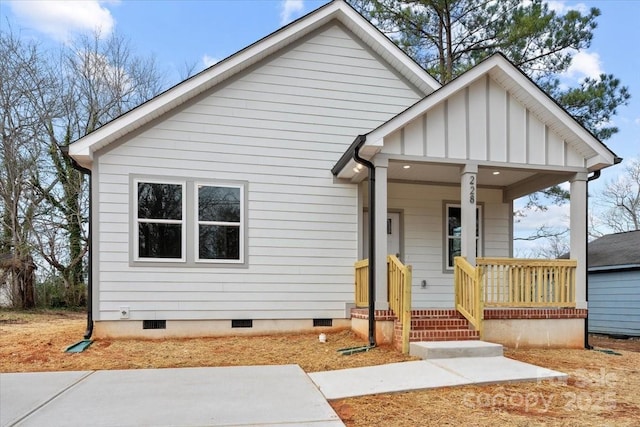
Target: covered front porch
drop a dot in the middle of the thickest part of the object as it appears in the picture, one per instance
(491, 296)
(437, 186)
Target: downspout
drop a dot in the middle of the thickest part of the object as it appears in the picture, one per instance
(588, 346)
(596, 175)
(65, 151)
(372, 237)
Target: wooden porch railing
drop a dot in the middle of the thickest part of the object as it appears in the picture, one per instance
(362, 283)
(468, 292)
(399, 289)
(509, 282)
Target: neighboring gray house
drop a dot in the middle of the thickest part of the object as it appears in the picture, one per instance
(614, 284)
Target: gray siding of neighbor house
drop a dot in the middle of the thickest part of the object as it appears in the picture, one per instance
(614, 302)
(279, 127)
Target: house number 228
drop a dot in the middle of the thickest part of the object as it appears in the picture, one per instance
(472, 189)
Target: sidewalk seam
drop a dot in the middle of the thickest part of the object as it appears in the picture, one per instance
(46, 402)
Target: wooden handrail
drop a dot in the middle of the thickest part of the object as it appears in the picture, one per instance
(510, 282)
(468, 292)
(398, 288)
(399, 284)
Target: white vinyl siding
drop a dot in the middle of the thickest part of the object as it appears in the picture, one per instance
(422, 209)
(280, 127)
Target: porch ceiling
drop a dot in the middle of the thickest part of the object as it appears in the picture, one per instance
(515, 182)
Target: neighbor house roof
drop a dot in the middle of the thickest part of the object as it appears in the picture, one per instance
(336, 11)
(615, 251)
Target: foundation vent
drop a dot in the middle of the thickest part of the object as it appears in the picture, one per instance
(242, 323)
(154, 324)
(322, 322)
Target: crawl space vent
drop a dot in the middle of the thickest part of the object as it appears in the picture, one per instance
(154, 324)
(322, 322)
(242, 323)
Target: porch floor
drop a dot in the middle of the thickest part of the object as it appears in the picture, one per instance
(426, 374)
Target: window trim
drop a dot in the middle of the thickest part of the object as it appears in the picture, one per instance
(445, 232)
(189, 223)
(197, 222)
(136, 221)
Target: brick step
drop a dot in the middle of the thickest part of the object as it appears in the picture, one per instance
(444, 335)
(436, 314)
(438, 324)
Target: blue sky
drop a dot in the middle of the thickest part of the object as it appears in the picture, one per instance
(201, 32)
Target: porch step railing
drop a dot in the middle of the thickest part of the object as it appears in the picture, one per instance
(529, 283)
(468, 292)
(398, 291)
(399, 283)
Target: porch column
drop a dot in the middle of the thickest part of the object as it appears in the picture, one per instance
(468, 197)
(578, 239)
(382, 299)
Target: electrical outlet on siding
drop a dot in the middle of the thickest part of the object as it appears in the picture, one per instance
(124, 312)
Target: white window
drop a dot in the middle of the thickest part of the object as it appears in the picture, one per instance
(219, 217)
(453, 240)
(159, 221)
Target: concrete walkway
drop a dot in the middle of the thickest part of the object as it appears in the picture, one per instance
(228, 396)
(425, 374)
(235, 396)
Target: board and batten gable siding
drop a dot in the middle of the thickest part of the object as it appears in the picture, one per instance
(279, 127)
(483, 122)
(422, 207)
(614, 302)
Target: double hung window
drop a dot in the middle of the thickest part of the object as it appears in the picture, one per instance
(188, 222)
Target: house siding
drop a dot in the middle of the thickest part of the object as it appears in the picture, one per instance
(483, 122)
(614, 302)
(279, 127)
(422, 207)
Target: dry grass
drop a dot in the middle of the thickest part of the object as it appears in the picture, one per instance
(603, 389)
(34, 342)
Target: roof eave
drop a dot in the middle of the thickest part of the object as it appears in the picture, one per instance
(205, 80)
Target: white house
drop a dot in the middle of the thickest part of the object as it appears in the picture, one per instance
(233, 203)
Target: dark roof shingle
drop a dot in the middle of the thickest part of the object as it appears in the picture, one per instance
(615, 249)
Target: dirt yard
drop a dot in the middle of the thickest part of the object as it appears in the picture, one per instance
(603, 388)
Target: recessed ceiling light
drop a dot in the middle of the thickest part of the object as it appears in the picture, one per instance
(356, 170)
(406, 166)
(496, 172)
(359, 166)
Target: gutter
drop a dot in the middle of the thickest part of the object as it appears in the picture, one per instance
(65, 152)
(596, 175)
(355, 151)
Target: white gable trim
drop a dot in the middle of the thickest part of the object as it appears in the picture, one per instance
(83, 149)
(597, 155)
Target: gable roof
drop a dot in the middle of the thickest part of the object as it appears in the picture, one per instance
(338, 10)
(521, 87)
(618, 250)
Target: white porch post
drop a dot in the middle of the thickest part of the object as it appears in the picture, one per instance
(382, 299)
(468, 197)
(578, 240)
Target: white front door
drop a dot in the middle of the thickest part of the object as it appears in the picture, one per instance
(393, 235)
